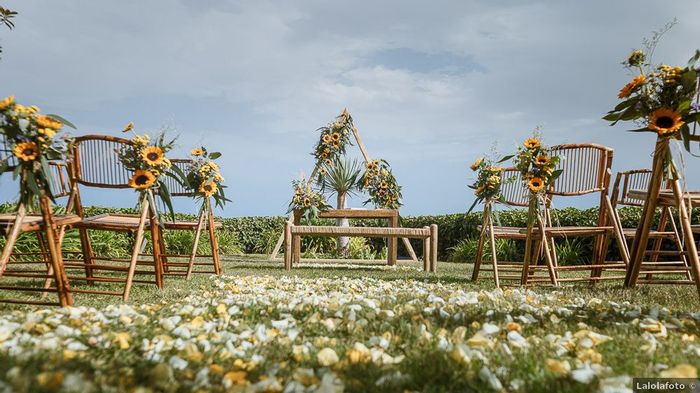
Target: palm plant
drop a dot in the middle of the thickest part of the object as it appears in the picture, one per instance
(341, 177)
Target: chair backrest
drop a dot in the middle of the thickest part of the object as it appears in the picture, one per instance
(635, 179)
(96, 163)
(513, 189)
(59, 178)
(586, 169)
(176, 189)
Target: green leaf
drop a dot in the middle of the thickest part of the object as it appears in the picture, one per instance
(694, 59)
(685, 135)
(644, 129)
(62, 120)
(625, 104)
(214, 155)
(683, 106)
(476, 201)
(164, 195)
(688, 79)
(506, 158)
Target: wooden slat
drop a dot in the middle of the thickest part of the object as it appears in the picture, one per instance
(360, 231)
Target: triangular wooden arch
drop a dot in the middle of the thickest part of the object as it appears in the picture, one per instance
(314, 173)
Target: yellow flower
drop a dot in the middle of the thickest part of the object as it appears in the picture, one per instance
(213, 166)
(542, 160)
(322, 171)
(6, 102)
(476, 164)
(197, 152)
(479, 190)
(26, 151)
(513, 326)
(558, 367)
(680, 371)
(326, 138)
(536, 184)
(532, 143)
(307, 202)
(128, 127)
(665, 121)
(153, 155)
(328, 162)
(493, 180)
(237, 378)
(142, 179)
(335, 137)
(49, 132)
(208, 189)
(631, 86)
(142, 140)
(26, 109)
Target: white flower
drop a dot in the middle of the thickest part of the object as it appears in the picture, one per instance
(327, 357)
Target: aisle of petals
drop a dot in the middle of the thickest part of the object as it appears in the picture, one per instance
(272, 334)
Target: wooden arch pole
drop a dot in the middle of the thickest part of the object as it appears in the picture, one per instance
(392, 242)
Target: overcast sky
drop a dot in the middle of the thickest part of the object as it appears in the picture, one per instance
(431, 84)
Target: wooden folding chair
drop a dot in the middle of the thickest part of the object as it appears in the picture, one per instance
(96, 164)
(586, 170)
(39, 271)
(514, 194)
(205, 221)
(666, 229)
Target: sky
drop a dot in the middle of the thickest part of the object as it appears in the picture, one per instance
(432, 85)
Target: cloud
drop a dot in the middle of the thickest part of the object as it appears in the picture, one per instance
(431, 86)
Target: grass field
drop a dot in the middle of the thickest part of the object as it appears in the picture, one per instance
(351, 326)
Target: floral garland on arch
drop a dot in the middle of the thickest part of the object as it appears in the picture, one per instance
(307, 200)
(147, 161)
(380, 183)
(487, 186)
(33, 140)
(334, 139)
(203, 177)
(661, 99)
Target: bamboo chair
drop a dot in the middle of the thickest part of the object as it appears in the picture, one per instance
(41, 271)
(96, 164)
(667, 229)
(514, 194)
(205, 221)
(586, 171)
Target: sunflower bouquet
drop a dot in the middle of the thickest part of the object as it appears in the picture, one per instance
(146, 159)
(203, 177)
(536, 165)
(487, 186)
(306, 200)
(380, 183)
(660, 99)
(32, 139)
(334, 138)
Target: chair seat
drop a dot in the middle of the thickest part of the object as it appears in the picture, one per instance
(186, 225)
(508, 232)
(108, 221)
(632, 232)
(572, 231)
(34, 222)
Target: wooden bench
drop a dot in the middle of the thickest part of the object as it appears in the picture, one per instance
(293, 234)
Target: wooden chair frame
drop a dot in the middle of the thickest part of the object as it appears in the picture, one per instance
(587, 169)
(514, 194)
(49, 230)
(667, 229)
(95, 164)
(205, 221)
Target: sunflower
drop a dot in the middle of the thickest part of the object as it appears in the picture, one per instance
(307, 202)
(336, 145)
(326, 138)
(322, 171)
(213, 166)
(384, 185)
(631, 86)
(328, 162)
(26, 151)
(542, 160)
(536, 184)
(335, 137)
(532, 143)
(479, 190)
(44, 121)
(6, 102)
(208, 189)
(128, 127)
(142, 179)
(665, 121)
(476, 164)
(48, 132)
(197, 152)
(153, 155)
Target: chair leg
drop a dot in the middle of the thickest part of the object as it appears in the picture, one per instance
(11, 239)
(65, 297)
(547, 253)
(679, 246)
(156, 241)
(211, 227)
(494, 259)
(136, 250)
(195, 245)
(88, 254)
(480, 247)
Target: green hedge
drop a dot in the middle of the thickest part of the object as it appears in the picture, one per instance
(259, 234)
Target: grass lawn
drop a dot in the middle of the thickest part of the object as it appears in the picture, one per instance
(355, 327)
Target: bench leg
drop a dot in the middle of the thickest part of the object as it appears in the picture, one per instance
(288, 244)
(427, 256)
(433, 247)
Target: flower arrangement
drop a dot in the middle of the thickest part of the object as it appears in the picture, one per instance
(33, 139)
(487, 186)
(380, 183)
(147, 161)
(659, 98)
(334, 138)
(536, 166)
(306, 200)
(203, 177)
